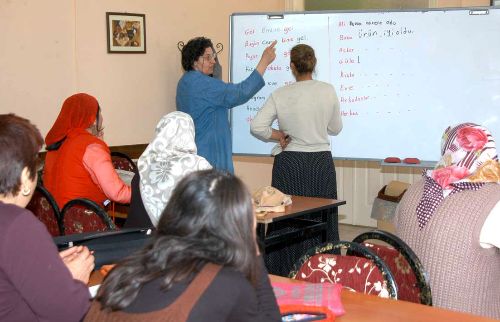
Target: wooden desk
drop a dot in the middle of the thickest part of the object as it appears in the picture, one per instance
(361, 307)
(300, 206)
(96, 278)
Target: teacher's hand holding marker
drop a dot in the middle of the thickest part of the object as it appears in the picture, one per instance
(267, 58)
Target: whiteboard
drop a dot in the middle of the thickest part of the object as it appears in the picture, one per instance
(402, 77)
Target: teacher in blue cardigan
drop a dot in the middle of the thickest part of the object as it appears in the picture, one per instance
(208, 99)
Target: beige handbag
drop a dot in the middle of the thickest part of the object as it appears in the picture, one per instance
(269, 199)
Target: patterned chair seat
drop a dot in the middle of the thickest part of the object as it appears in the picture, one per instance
(122, 161)
(44, 207)
(407, 269)
(403, 274)
(83, 215)
(367, 274)
(354, 273)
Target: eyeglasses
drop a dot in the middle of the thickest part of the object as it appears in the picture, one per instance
(210, 56)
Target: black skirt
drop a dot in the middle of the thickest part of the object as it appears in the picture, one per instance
(309, 174)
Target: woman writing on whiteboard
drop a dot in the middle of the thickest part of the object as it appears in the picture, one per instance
(207, 99)
(307, 112)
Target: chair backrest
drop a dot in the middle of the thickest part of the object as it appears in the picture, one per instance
(365, 273)
(123, 162)
(45, 208)
(39, 180)
(83, 215)
(411, 278)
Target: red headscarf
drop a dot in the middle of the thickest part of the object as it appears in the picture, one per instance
(79, 111)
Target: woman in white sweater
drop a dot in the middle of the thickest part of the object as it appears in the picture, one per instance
(307, 112)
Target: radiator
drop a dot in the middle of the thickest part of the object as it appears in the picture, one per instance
(358, 183)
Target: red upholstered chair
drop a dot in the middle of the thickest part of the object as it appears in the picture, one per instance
(83, 215)
(126, 168)
(45, 208)
(122, 161)
(408, 271)
(365, 273)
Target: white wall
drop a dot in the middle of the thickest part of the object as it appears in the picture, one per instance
(54, 48)
(37, 58)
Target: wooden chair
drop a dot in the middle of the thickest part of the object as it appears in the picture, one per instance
(365, 273)
(123, 162)
(45, 208)
(411, 278)
(83, 215)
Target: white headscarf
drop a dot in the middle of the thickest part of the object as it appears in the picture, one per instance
(167, 159)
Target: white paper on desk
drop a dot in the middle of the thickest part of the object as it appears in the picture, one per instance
(125, 175)
(93, 290)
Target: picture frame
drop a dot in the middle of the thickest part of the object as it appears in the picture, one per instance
(126, 33)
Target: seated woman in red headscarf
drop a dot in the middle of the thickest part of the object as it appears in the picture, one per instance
(78, 162)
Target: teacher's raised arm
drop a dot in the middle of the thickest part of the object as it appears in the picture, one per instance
(267, 58)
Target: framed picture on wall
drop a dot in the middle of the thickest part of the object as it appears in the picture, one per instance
(126, 32)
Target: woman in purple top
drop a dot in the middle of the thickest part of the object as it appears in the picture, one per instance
(36, 282)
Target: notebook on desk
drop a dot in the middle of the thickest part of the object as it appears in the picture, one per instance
(313, 294)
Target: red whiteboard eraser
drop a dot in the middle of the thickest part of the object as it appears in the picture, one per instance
(392, 160)
(411, 161)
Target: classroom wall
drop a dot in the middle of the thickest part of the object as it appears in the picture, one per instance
(363, 4)
(54, 48)
(312, 5)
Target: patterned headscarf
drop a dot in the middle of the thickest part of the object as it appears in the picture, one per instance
(79, 111)
(468, 160)
(167, 159)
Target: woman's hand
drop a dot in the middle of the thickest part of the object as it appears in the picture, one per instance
(282, 137)
(267, 58)
(79, 261)
(284, 140)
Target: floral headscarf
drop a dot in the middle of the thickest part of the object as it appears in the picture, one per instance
(167, 159)
(79, 111)
(468, 160)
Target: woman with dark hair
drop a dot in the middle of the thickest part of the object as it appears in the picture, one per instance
(307, 112)
(208, 99)
(202, 264)
(36, 283)
(78, 162)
